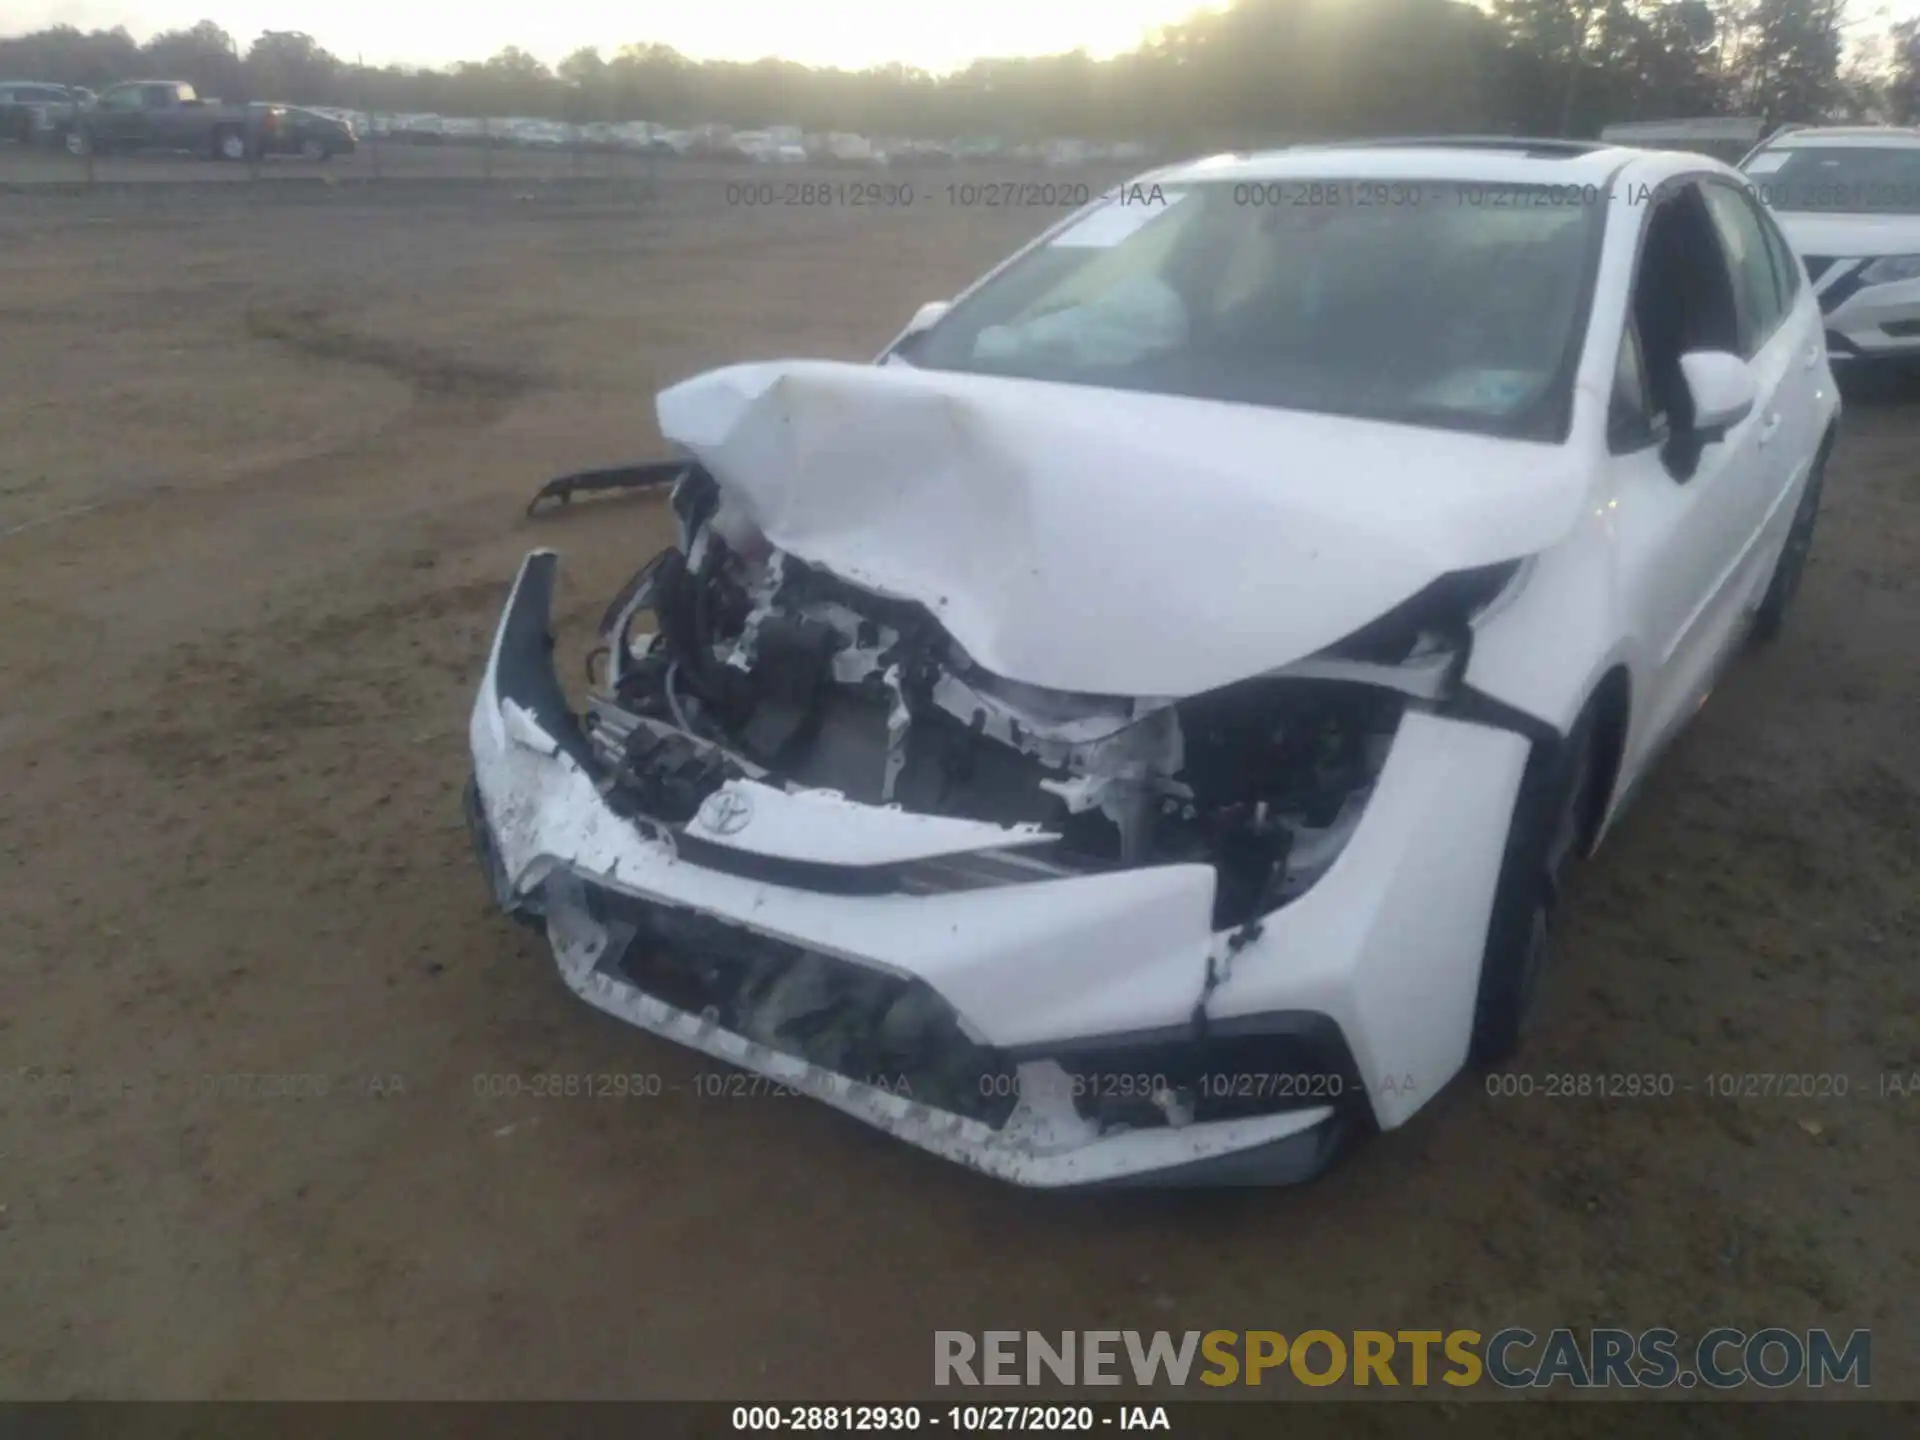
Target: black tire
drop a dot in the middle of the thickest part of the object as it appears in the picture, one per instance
(229, 144)
(1771, 617)
(1549, 827)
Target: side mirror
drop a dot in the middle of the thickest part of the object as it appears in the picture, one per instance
(1723, 390)
(924, 319)
(927, 316)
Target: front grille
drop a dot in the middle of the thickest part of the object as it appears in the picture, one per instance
(871, 1026)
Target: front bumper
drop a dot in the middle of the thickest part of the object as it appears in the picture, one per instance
(1338, 1015)
(1869, 322)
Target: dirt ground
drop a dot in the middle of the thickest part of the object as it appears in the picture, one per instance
(261, 478)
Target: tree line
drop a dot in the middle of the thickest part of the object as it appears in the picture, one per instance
(1260, 71)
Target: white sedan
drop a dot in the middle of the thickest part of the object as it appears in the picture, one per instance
(1137, 732)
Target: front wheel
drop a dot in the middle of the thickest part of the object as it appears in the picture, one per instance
(230, 145)
(77, 143)
(1771, 617)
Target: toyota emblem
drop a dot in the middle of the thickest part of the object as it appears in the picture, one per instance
(726, 812)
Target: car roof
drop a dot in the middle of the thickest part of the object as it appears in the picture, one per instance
(1488, 159)
(1890, 137)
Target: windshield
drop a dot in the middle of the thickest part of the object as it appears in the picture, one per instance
(1846, 178)
(1444, 304)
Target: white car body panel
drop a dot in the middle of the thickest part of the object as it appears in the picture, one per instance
(822, 825)
(1023, 516)
(1017, 511)
(1111, 953)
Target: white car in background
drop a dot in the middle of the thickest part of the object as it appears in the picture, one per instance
(1138, 732)
(1848, 198)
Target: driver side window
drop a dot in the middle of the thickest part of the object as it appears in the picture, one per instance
(124, 97)
(1684, 299)
(1757, 281)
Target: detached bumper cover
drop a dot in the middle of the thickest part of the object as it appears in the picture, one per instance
(1355, 1000)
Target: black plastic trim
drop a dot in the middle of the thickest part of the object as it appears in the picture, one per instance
(1479, 708)
(1318, 1030)
(1531, 145)
(523, 664)
(646, 475)
(525, 910)
(1843, 289)
(1292, 1160)
(797, 874)
(1311, 1042)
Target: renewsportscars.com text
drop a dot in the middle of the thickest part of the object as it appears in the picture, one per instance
(1723, 1358)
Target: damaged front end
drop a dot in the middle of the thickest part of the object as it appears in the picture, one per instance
(729, 665)
(800, 828)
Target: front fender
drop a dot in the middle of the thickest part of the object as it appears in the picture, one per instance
(1546, 652)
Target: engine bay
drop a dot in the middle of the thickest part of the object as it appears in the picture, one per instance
(759, 666)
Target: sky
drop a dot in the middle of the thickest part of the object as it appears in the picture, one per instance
(849, 33)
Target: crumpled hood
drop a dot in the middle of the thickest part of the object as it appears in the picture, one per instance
(1850, 237)
(1105, 541)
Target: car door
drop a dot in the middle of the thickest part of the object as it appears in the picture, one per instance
(1803, 401)
(1685, 517)
(166, 119)
(1783, 344)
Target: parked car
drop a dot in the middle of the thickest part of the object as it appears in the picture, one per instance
(1724, 137)
(542, 134)
(1848, 197)
(312, 134)
(170, 115)
(26, 104)
(1140, 730)
(600, 136)
(418, 129)
(640, 136)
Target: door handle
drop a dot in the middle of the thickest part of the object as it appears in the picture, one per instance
(1814, 352)
(1769, 427)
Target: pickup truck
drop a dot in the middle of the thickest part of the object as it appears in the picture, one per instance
(168, 115)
